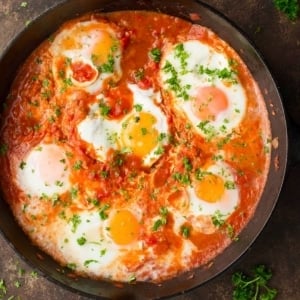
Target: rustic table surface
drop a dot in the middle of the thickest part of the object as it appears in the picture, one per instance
(278, 246)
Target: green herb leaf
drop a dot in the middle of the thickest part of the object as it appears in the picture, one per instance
(3, 149)
(155, 54)
(75, 221)
(254, 287)
(81, 241)
(289, 7)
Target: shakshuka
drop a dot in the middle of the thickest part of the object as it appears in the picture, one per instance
(134, 146)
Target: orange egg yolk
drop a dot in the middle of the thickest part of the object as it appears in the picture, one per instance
(102, 48)
(209, 102)
(211, 188)
(124, 227)
(139, 134)
(94, 39)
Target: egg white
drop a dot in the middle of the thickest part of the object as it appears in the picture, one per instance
(190, 80)
(45, 160)
(104, 133)
(229, 200)
(83, 53)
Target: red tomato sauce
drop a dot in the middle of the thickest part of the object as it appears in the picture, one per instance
(37, 112)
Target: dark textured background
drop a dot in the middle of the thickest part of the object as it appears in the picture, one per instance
(278, 246)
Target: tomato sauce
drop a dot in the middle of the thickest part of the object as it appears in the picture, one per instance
(39, 110)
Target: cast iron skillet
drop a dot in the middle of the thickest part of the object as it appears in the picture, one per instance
(46, 24)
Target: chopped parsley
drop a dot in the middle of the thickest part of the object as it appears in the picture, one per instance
(185, 231)
(22, 165)
(67, 82)
(160, 150)
(219, 220)
(207, 129)
(103, 211)
(77, 165)
(139, 74)
(162, 136)
(24, 4)
(174, 83)
(187, 164)
(71, 266)
(89, 261)
(229, 185)
(3, 149)
(254, 287)
(155, 54)
(104, 109)
(183, 56)
(74, 193)
(138, 107)
(3, 289)
(108, 67)
(75, 221)
(144, 131)
(183, 178)
(132, 278)
(102, 252)
(225, 73)
(163, 211)
(81, 241)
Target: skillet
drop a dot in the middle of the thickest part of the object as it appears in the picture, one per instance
(49, 22)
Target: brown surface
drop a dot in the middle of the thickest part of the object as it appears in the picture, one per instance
(278, 39)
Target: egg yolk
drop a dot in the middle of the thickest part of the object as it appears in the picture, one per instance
(124, 227)
(94, 40)
(102, 48)
(209, 102)
(211, 188)
(139, 133)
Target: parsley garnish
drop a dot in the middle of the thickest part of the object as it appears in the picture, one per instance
(160, 150)
(22, 165)
(289, 7)
(224, 73)
(71, 266)
(183, 56)
(182, 178)
(77, 165)
(229, 185)
(81, 241)
(75, 220)
(104, 109)
(3, 149)
(187, 164)
(163, 211)
(185, 231)
(174, 83)
(207, 129)
(3, 289)
(108, 67)
(89, 261)
(219, 220)
(138, 107)
(155, 54)
(74, 193)
(139, 74)
(253, 287)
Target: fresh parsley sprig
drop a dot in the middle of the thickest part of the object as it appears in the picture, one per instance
(289, 7)
(253, 287)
